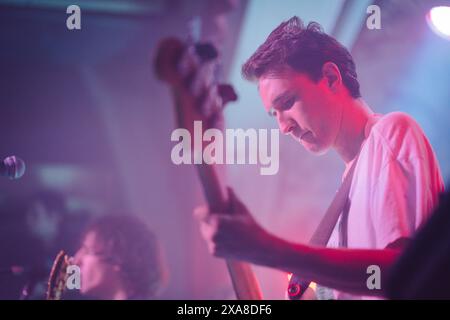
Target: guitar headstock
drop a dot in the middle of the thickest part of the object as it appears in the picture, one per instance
(192, 71)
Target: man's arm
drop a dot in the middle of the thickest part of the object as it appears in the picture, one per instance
(238, 236)
(342, 269)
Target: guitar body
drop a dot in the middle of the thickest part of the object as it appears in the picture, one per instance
(309, 294)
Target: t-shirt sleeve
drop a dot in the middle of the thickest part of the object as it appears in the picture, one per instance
(407, 185)
(395, 213)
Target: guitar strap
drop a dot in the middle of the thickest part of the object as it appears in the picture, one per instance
(337, 206)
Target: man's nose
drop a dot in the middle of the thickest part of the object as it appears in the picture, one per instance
(284, 124)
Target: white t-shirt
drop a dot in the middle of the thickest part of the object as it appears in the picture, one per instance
(395, 186)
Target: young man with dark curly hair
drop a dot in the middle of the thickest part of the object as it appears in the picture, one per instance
(307, 81)
(120, 259)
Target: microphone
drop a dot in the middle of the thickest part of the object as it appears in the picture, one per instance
(12, 167)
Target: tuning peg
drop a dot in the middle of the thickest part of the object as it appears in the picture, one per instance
(227, 93)
(206, 51)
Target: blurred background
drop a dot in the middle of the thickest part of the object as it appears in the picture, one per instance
(85, 111)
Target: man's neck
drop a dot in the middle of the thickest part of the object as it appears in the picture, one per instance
(351, 135)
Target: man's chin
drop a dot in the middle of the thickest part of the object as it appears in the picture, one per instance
(314, 148)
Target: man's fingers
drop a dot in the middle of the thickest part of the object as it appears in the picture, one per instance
(215, 226)
(208, 232)
(201, 212)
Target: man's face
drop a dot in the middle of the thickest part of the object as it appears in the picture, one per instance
(97, 272)
(310, 112)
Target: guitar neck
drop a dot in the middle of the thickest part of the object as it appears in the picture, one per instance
(244, 280)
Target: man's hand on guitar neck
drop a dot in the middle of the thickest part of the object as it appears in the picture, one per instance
(235, 235)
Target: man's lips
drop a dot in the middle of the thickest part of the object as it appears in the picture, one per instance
(299, 134)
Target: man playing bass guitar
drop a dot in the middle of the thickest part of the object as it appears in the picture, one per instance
(308, 82)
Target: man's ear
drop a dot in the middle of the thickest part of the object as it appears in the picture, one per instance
(332, 75)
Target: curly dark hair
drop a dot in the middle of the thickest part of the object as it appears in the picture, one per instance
(128, 242)
(303, 50)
